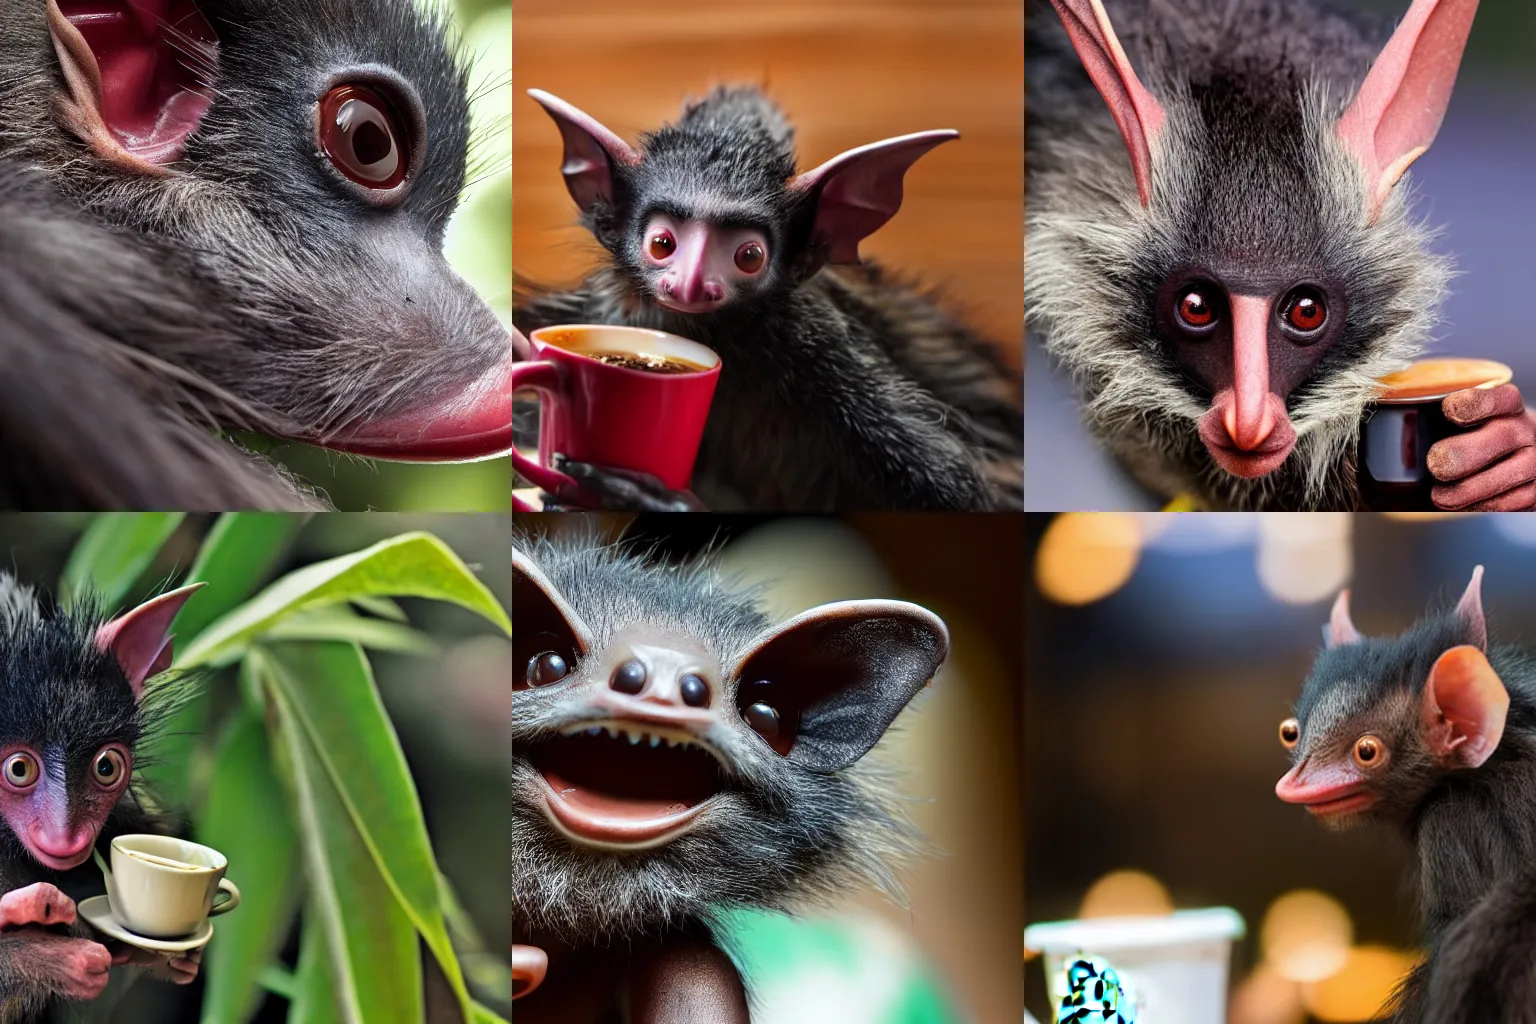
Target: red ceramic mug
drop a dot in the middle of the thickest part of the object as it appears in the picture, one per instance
(622, 397)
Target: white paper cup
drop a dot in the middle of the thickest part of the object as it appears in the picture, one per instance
(1176, 964)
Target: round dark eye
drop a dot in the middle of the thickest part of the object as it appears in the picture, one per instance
(763, 719)
(751, 257)
(695, 690)
(547, 668)
(1305, 310)
(1370, 752)
(1290, 733)
(110, 768)
(21, 771)
(661, 245)
(362, 137)
(1196, 312)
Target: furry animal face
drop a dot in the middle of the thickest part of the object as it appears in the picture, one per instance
(674, 755)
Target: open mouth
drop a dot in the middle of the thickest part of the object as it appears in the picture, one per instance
(474, 424)
(625, 785)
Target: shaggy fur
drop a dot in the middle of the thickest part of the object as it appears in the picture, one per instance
(1475, 830)
(248, 289)
(59, 690)
(780, 835)
(1249, 172)
(843, 388)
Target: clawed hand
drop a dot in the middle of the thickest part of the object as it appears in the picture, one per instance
(618, 490)
(1491, 468)
(177, 968)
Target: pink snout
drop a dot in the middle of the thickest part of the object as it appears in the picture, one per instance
(691, 289)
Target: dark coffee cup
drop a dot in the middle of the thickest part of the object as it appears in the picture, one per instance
(1405, 421)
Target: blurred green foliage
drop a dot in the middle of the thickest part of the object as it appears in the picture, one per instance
(479, 245)
(289, 762)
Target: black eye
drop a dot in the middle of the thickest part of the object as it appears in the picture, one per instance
(547, 668)
(1290, 733)
(1196, 309)
(769, 710)
(695, 691)
(1370, 752)
(1305, 310)
(109, 768)
(21, 771)
(363, 137)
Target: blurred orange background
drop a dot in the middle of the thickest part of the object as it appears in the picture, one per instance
(847, 72)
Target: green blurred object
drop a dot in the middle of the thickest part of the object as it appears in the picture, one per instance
(854, 971)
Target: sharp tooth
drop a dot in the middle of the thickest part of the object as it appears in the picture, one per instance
(611, 731)
(634, 738)
(655, 741)
(595, 730)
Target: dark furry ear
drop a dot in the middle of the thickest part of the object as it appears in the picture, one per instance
(848, 669)
(541, 620)
(139, 79)
(858, 191)
(591, 151)
(140, 639)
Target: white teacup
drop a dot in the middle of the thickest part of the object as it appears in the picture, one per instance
(164, 888)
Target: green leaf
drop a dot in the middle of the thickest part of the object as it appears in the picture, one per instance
(314, 984)
(237, 555)
(279, 980)
(383, 607)
(337, 623)
(373, 951)
(410, 565)
(329, 689)
(113, 553)
(246, 818)
(481, 1015)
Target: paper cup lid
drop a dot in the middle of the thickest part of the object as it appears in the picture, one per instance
(1108, 935)
(1429, 379)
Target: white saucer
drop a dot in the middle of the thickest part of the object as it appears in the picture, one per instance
(97, 912)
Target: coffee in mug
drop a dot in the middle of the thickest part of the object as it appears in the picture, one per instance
(1405, 421)
(165, 888)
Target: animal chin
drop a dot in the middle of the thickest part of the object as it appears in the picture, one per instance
(1269, 456)
(1341, 809)
(472, 424)
(625, 786)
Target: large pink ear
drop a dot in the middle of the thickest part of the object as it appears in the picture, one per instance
(858, 191)
(1340, 629)
(841, 673)
(1470, 611)
(591, 151)
(1464, 707)
(1398, 110)
(140, 639)
(1135, 110)
(139, 76)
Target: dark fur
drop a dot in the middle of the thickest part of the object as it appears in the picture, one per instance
(1475, 830)
(1250, 178)
(249, 290)
(843, 388)
(782, 834)
(58, 688)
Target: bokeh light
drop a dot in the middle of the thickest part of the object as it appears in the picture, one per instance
(1126, 893)
(1267, 997)
(1085, 557)
(1306, 936)
(1302, 559)
(1361, 989)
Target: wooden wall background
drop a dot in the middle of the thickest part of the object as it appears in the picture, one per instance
(847, 72)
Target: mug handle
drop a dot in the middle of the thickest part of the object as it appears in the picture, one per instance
(231, 898)
(539, 376)
(528, 966)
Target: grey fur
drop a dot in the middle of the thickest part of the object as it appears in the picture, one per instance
(844, 388)
(250, 289)
(1474, 829)
(1249, 173)
(781, 836)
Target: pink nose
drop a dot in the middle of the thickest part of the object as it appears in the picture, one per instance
(692, 288)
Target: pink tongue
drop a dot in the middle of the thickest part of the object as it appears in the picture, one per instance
(616, 812)
(474, 424)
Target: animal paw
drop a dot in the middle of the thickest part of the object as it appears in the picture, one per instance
(622, 490)
(176, 968)
(81, 968)
(40, 903)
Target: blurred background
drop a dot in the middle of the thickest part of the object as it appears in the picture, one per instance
(1163, 651)
(1473, 184)
(449, 709)
(479, 245)
(846, 72)
(949, 954)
